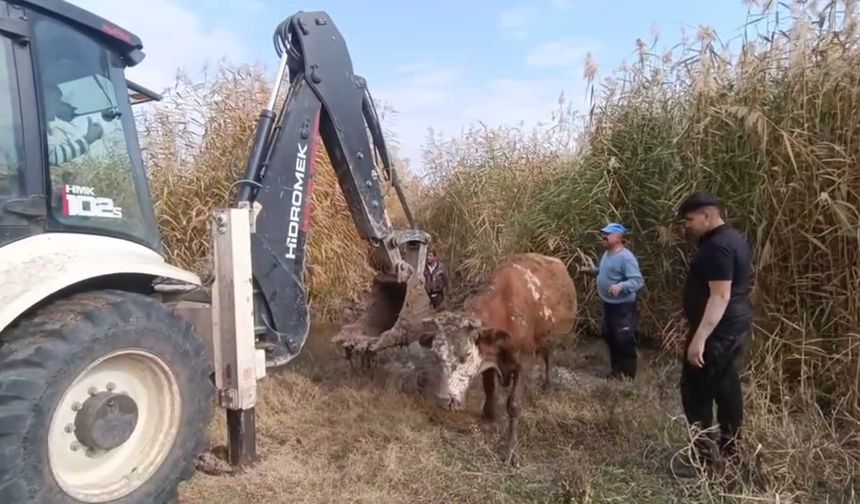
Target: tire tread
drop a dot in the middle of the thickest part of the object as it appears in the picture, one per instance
(41, 345)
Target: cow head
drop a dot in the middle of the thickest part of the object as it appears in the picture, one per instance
(464, 350)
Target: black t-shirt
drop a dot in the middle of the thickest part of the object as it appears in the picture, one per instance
(723, 254)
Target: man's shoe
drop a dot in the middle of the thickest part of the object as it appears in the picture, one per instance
(681, 467)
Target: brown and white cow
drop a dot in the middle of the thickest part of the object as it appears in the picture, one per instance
(531, 300)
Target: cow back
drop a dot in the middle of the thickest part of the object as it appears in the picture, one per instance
(530, 296)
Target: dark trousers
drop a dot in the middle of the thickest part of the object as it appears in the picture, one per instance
(717, 382)
(619, 333)
(436, 298)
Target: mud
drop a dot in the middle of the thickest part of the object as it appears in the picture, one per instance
(409, 368)
(413, 369)
(392, 315)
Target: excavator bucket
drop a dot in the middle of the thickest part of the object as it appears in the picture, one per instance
(393, 312)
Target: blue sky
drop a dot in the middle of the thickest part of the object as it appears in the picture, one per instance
(442, 65)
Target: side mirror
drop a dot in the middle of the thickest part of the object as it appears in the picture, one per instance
(110, 114)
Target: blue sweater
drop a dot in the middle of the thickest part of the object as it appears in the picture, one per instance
(619, 267)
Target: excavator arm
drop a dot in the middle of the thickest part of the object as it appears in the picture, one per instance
(324, 101)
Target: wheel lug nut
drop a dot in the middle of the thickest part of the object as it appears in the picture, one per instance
(70, 428)
(92, 391)
(76, 406)
(75, 446)
(110, 386)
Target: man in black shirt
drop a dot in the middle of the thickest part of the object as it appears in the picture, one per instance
(716, 305)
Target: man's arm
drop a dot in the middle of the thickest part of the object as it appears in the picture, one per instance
(63, 151)
(720, 287)
(633, 276)
(62, 147)
(589, 269)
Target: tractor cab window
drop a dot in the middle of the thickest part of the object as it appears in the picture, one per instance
(96, 180)
(10, 124)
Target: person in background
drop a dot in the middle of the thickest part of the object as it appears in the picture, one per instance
(435, 279)
(716, 305)
(619, 281)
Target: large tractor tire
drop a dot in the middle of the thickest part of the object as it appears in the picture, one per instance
(104, 397)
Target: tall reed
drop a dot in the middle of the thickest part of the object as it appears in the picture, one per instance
(196, 143)
(769, 124)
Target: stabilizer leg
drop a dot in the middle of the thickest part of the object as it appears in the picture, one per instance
(238, 363)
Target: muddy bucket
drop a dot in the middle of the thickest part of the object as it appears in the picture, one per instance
(393, 314)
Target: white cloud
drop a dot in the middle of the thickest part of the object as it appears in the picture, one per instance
(513, 101)
(515, 21)
(173, 38)
(562, 53)
(419, 86)
(424, 95)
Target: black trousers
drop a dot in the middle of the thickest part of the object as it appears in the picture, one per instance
(717, 382)
(436, 298)
(619, 333)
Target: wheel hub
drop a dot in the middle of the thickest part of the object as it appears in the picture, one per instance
(114, 426)
(106, 420)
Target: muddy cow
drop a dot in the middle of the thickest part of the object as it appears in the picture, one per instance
(531, 300)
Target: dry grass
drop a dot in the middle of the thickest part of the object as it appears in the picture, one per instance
(196, 145)
(327, 435)
(479, 184)
(771, 128)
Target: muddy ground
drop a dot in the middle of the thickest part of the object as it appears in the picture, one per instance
(328, 434)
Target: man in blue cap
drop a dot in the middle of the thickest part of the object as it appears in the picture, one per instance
(618, 283)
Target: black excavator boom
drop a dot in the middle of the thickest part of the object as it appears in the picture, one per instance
(325, 101)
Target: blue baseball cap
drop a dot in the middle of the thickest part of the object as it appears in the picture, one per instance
(614, 227)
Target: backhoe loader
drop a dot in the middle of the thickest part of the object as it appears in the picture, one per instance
(112, 361)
